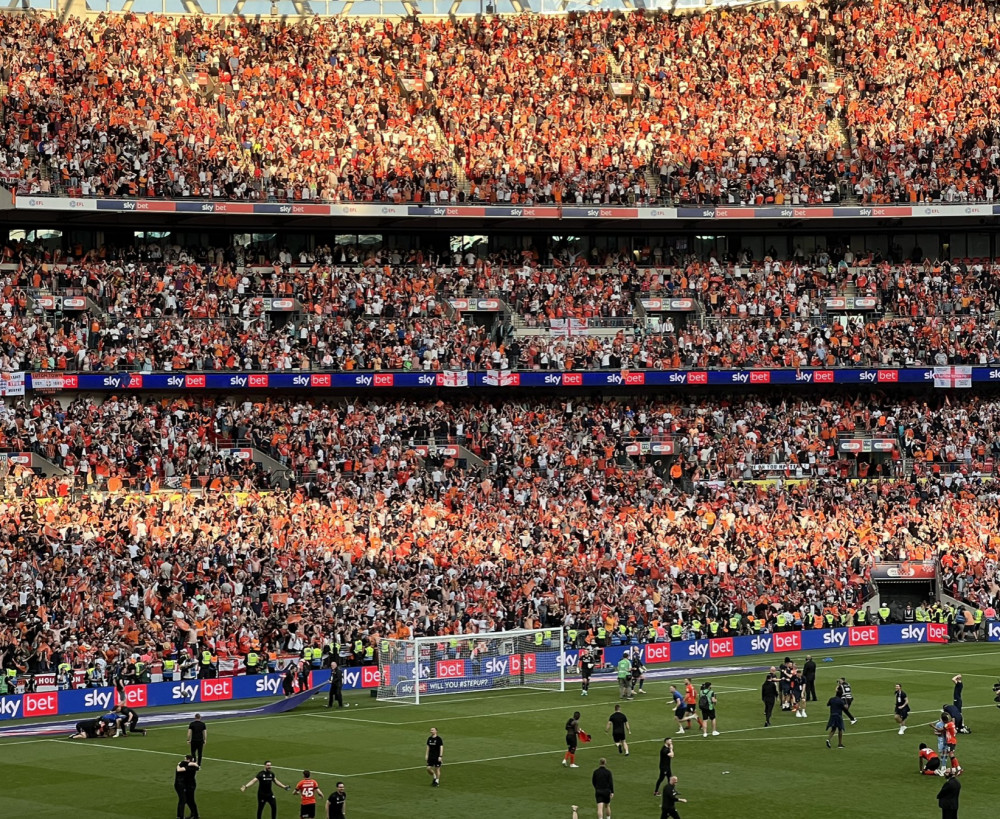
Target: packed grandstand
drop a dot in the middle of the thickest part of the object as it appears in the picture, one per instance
(169, 524)
(874, 101)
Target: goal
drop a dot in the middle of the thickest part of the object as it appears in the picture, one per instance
(410, 670)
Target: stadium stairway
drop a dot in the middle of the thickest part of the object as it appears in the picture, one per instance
(272, 466)
(457, 171)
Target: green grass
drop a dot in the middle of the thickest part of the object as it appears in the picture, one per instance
(503, 752)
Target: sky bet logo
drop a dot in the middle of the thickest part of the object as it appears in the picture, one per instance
(790, 641)
(657, 653)
(248, 381)
(913, 634)
(175, 381)
(10, 707)
(721, 647)
(215, 690)
(185, 692)
(502, 666)
(375, 380)
(450, 669)
(117, 382)
(835, 638)
(862, 636)
(994, 631)
(427, 380)
(98, 700)
(698, 649)
(268, 685)
(628, 379)
(760, 645)
(41, 705)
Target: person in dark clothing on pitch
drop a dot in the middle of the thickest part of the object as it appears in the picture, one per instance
(670, 800)
(666, 764)
(948, 795)
(184, 785)
(336, 686)
(604, 788)
(769, 696)
(809, 676)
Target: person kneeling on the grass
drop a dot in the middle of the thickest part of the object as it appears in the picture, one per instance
(88, 729)
(128, 720)
(928, 762)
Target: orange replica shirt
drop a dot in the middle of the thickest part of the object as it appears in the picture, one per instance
(308, 788)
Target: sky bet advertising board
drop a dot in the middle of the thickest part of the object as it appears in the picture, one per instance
(608, 379)
(445, 674)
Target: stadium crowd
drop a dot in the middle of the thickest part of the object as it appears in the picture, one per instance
(156, 307)
(555, 529)
(840, 96)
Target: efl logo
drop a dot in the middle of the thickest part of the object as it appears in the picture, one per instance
(572, 379)
(41, 705)
(257, 380)
(888, 376)
(791, 641)
(697, 378)
(371, 678)
(823, 377)
(862, 636)
(194, 381)
(722, 647)
(937, 633)
(760, 377)
(215, 690)
(658, 653)
(450, 669)
(383, 380)
(135, 695)
(321, 380)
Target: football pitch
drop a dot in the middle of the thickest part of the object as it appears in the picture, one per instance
(503, 750)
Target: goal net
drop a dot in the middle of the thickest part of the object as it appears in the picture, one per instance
(410, 670)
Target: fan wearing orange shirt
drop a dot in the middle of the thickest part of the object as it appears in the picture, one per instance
(308, 788)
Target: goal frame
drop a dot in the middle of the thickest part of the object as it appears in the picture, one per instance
(414, 645)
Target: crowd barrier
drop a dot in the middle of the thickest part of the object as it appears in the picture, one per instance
(232, 381)
(448, 674)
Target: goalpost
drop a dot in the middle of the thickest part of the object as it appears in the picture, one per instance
(410, 670)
